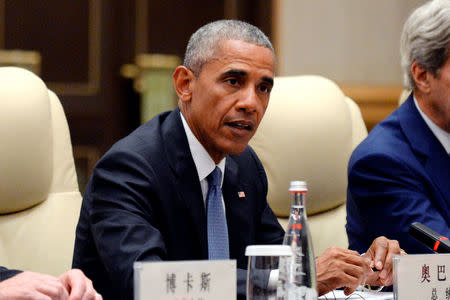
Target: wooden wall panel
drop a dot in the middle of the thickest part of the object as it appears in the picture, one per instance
(65, 33)
(47, 27)
(375, 102)
(84, 44)
(170, 23)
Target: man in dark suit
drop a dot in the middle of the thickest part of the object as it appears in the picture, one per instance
(400, 173)
(150, 196)
(145, 200)
(15, 284)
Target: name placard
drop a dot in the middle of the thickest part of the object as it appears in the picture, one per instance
(422, 276)
(185, 280)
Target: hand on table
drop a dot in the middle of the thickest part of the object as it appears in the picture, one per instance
(338, 267)
(380, 255)
(30, 285)
(72, 285)
(79, 286)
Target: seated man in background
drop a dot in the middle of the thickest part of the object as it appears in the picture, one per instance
(186, 185)
(400, 173)
(71, 285)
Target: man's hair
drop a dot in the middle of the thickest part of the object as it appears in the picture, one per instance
(426, 39)
(206, 40)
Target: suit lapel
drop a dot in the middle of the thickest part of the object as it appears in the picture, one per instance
(435, 160)
(187, 183)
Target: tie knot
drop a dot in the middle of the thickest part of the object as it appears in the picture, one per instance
(215, 177)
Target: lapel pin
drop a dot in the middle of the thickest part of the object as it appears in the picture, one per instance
(241, 194)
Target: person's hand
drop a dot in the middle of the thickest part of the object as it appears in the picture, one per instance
(380, 255)
(338, 267)
(30, 285)
(79, 286)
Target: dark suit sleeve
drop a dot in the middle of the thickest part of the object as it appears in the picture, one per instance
(7, 273)
(123, 223)
(385, 196)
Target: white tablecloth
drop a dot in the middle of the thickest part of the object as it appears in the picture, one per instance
(339, 295)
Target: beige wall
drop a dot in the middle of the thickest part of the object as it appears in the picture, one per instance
(353, 42)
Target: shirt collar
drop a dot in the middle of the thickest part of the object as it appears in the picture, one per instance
(202, 160)
(442, 136)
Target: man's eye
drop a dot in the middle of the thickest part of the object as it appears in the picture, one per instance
(264, 88)
(232, 81)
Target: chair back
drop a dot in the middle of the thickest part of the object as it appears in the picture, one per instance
(39, 196)
(308, 133)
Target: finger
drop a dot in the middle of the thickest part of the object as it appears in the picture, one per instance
(353, 276)
(354, 258)
(394, 249)
(77, 289)
(356, 266)
(389, 281)
(75, 283)
(348, 291)
(372, 277)
(53, 289)
(360, 262)
(380, 248)
(90, 293)
(98, 296)
(356, 272)
(375, 281)
(350, 283)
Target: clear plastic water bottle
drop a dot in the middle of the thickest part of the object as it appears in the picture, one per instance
(298, 281)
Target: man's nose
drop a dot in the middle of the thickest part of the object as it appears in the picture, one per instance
(248, 100)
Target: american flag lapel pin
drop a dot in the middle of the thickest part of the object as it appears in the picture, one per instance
(241, 194)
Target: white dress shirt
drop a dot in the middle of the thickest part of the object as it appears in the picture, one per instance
(202, 160)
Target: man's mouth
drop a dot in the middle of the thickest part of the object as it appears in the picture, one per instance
(245, 125)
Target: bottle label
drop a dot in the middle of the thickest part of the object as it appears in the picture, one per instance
(296, 226)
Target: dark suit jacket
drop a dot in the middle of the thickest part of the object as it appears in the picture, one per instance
(398, 175)
(144, 202)
(7, 273)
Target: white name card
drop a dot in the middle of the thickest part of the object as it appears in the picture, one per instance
(422, 276)
(185, 280)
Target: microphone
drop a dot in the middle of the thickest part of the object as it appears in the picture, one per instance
(436, 242)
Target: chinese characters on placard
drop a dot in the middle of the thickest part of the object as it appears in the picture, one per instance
(441, 273)
(425, 273)
(188, 283)
(439, 276)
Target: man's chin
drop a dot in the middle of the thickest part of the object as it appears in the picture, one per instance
(237, 149)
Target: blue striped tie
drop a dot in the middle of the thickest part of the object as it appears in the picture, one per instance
(217, 224)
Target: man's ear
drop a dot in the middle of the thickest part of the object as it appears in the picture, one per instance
(421, 77)
(182, 81)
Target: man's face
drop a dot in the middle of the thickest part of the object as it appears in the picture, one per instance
(439, 97)
(229, 97)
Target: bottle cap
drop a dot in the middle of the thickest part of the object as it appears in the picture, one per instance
(298, 186)
(268, 250)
